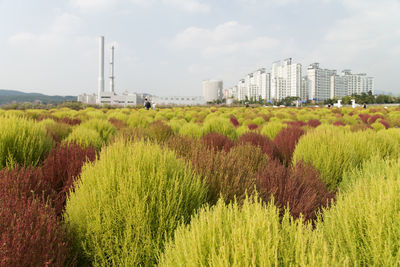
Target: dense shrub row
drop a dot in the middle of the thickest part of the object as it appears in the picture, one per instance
(277, 187)
(129, 201)
(22, 141)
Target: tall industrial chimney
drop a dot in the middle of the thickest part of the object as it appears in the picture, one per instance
(112, 69)
(101, 67)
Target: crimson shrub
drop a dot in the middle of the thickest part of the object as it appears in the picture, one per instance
(31, 235)
(160, 132)
(364, 117)
(230, 174)
(217, 142)
(252, 126)
(296, 123)
(70, 121)
(61, 167)
(298, 187)
(53, 179)
(384, 123)
(267, 146)
(314, 123)
(286, 141)
(339, 123)
(373, 118)
(234, 121)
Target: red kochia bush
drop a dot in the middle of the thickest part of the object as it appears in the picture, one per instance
(117, 123)
(373, 118)
(30, 234)
(364, 117)
(339, 123)
(160, 132)
(70, 121)
(384, 123)
(51, 181)
(296, 123)
(234, 121)
(252, 126)
(314, 123)
(298, 188)
(286, 141)
(217, 142)
(267, 146)
(61, 167)
(230, 173)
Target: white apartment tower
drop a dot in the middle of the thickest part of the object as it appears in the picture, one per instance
(349, 84)
(305, 89)
(320, 82)
(255, 85)
(285, 79)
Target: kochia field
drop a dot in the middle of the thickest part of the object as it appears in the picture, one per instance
(200, 186)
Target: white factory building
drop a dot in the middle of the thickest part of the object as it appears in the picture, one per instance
(285, 79)
(212, 90)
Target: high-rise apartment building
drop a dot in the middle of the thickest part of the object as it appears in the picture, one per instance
(305, 89)
(254, 85)
(320, 82)
(285, 79)
(349, 84)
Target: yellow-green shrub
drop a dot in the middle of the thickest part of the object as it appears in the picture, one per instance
(22, 141)
(138, 119)
(249, 235)
(271, 129)
(129, 201)
(191, 129)
(176, 124)
(362, 228)
(85, 137)
(333, 150)
(104, 128)
(242, 130)
(220, 125)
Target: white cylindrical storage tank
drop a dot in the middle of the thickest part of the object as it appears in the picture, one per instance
(212, 90)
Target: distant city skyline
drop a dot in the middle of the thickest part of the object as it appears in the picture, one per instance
(168, 47)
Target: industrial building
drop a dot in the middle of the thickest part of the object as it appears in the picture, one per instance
(213, 90)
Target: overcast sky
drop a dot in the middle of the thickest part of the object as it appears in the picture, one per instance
(167, 47)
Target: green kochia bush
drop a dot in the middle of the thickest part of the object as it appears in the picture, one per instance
(129, 201)
(85, 137)
(104, 128)
(220, 125)
(249, 235)
(333, 151)
(22, 141)
(191, 129)
(363, 228)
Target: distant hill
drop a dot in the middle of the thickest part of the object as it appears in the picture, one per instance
(10, 96)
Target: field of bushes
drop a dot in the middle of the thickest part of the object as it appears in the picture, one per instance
(200, 186)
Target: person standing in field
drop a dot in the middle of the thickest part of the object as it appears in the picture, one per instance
(147, 104)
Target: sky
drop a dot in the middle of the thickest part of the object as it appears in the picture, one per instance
(167, 47)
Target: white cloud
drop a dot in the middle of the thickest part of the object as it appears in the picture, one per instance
(93, 4)
(228, 38)
(191, 6)
(63, 27)
(194, 6)
(370, 28)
